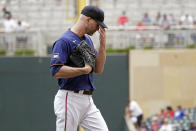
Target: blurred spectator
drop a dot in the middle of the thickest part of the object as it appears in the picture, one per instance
(172, 19)
(180, 38)
(9, 24)
(140, 26)
(157, 21)
(166, 126)
(6, 13)
(143, 37)
(179, 26)
(155, 123)
(179, 113)
(162, 115)
(193, 35)
(136, 112)
(187, 20)
(22, 26)
(143, 126)
(192, 126)
(130, 121)
(165, 24)
(169, 112)
(146, 20)
(21, 38)
(123, 20)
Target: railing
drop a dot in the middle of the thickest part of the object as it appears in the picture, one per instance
(31, 39)
(151, 36)
(117, 37)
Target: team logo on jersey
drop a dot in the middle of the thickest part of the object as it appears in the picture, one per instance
(74, 41)
(55, 56)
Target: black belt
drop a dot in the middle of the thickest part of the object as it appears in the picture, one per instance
(85, 92)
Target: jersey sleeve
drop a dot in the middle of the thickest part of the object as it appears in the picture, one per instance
(60, 53)
(55, 69)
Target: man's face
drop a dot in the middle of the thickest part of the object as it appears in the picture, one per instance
(92, 27)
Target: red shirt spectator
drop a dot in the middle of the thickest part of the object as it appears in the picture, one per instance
(169, 112)
(122, 20)
(140, 26)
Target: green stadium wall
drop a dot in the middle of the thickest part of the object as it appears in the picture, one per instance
(27, 92)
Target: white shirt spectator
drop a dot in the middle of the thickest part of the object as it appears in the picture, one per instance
(9, 25)
(167, 127)
(135, 109)
(22, 26)
(187, 19)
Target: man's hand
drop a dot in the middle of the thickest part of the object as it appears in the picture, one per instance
(87, 69)
(102, 36)
(101, 56)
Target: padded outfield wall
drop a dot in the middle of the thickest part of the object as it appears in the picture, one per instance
(159, 78)
(27, 91)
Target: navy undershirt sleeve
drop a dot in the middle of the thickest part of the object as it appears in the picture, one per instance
(55, 69)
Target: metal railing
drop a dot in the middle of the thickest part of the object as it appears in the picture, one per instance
(31, 39)
(117, 37)
(122, 37)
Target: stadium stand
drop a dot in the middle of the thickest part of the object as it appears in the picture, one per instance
(50, 19)
(182, 124)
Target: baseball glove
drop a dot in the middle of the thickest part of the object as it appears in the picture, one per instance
(83, 54)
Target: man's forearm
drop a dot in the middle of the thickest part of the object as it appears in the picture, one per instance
(100, 60)
(69, 72)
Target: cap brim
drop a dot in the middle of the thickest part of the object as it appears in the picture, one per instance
(102, 24)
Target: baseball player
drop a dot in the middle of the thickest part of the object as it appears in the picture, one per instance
(73, 104)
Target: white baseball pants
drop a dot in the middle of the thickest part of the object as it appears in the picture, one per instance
(73, 109)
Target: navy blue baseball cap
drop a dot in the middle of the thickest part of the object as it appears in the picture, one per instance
(95, 13)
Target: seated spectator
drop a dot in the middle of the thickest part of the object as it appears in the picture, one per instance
(169, 112)
(140, 26)
(157, 21)
(193, 35)
(22, 26)
(162, 115)
(123, 20)
(172, 19)
(179, 113)
(165, 126)
(180, 38)
(192, 126)
(187, 20)
(165, 24)
(155, 124)
(143, 126)
(9, 24)
(179, 26)
(146, 20)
